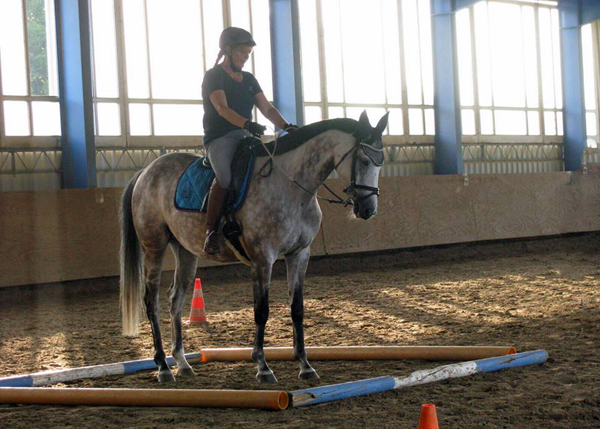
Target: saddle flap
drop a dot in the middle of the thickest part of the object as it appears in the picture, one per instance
(242, 166)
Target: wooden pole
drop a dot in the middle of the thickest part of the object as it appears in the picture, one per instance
(438, 353)
(260, 399)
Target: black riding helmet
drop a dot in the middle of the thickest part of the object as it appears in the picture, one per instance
(235, 36)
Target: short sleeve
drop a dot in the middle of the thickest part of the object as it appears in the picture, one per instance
(213, 81)
(253, 84)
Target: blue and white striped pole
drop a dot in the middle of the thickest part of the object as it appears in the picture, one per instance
(336, 392)
(70, 374)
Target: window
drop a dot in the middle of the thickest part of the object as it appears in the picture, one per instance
(148, 70)
(509, 72)
(29, 108)
(373, 55)
(591, 73)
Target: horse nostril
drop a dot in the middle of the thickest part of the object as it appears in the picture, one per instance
(368, 213)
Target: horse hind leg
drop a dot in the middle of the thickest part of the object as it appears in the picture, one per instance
(152, 268)
(261, 278)
(185, 271)
(296, 270)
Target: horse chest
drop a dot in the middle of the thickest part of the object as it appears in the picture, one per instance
(302, 224)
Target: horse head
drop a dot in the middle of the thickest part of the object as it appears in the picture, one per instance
(360, 166)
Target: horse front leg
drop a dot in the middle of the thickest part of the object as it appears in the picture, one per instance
(261, 278)
(152, 268)
(185, 270)
(296, 270)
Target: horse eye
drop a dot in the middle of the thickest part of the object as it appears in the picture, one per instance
(364, 162)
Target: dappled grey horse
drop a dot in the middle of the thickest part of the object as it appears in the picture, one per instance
(281, 216)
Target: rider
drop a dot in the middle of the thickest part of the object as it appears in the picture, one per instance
(229, 96)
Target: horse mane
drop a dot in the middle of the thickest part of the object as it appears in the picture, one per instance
(296, 139)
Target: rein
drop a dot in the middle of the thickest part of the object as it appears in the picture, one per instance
(350, 190)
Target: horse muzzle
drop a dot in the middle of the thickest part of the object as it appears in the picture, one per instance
(364, 212)
(365, 207)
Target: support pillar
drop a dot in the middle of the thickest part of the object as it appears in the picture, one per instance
(76, 106)
(448, 138)
(572, 83)
(285, 48)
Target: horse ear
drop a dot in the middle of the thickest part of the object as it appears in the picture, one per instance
(382, 124)
(364, 126)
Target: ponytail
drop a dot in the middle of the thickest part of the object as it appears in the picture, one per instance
(221, 54)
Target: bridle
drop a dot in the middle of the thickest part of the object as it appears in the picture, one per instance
(351, 189)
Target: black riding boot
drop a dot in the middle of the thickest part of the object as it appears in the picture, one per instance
(215, 207)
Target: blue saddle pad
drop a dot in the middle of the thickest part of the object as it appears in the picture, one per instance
(193, 186)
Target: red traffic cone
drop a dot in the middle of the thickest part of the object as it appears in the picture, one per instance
(428, 417)
(198, 312)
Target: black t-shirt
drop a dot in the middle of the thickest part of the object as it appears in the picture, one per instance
(240, 98)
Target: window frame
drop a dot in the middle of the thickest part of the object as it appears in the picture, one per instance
(595, 27)
(325, 104)
(542, 138)
(125, 139)
(30, 142)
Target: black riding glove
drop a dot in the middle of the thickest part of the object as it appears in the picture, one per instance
(255, 128)
(290, 128)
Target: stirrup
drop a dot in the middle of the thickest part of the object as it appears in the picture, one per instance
(211, 244)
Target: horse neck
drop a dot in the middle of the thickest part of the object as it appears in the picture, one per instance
(313, 162)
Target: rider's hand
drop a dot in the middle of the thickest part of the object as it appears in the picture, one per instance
(290, 128)
(255, 128)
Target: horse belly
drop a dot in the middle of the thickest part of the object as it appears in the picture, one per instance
(189, 229)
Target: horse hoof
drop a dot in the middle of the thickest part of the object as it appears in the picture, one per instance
(166, 377)
(309, 374)
(186, 373)
(266, 377)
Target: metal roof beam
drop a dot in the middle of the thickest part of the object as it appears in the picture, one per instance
(461, 4)
(590, 11)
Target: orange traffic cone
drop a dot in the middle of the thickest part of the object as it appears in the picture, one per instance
(428, 417)
(198, 312)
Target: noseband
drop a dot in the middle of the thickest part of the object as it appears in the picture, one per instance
(352, 189)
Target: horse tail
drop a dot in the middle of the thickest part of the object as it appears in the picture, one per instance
(131, 283)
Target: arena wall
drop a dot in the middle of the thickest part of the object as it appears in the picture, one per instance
(52, 236)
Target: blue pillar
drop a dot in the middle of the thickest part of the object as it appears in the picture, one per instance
(75, 78)
(285, 48)
(572, 83)
(448, 138)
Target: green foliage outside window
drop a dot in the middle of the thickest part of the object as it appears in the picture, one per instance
(38, 54)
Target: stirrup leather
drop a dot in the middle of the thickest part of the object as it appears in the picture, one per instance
(212, 245)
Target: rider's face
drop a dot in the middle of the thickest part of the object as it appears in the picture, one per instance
(240, 55)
